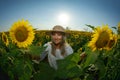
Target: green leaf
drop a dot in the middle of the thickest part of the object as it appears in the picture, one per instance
(68, 67)
(100, 65)
(25, 76)
(36, 50)
(91, 58)
(92, 27)
(45, 72)
(75, 57)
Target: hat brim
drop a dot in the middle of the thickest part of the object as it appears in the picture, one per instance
(51, 31)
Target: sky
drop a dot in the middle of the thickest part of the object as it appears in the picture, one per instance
(44, 14)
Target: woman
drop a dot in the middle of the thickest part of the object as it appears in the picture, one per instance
(58, 48)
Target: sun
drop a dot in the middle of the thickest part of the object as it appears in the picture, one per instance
(63, 19)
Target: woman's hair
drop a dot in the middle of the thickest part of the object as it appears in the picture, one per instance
(62, 46)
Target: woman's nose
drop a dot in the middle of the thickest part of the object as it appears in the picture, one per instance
(55, 36)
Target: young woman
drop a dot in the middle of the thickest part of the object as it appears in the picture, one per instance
(58, 48)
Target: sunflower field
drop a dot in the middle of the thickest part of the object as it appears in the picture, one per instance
(96, 54)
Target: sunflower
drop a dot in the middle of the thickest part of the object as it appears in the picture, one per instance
(22, 33)
(5, 39)
(112, 42)
(39, 44)
(47, 37)
(76, 36)
(100, 38)
(119, 26)
(119, 29)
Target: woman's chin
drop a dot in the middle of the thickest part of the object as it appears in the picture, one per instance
(56, 43)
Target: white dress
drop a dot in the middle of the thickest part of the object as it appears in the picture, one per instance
(52, 59)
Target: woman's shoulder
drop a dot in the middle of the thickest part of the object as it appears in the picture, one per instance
(47, 44)
(68, 49)
(67, 45)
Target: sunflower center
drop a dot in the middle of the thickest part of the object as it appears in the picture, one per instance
(21, 34)
(102, 39)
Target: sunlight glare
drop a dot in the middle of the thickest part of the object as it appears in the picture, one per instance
(63, 19)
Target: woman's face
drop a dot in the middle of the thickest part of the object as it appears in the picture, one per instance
(57, 37)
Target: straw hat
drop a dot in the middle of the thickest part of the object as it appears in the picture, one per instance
(58, 28)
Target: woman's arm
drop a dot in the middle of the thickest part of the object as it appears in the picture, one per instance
(44, 53)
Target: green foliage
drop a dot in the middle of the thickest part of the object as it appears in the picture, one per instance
(43, 72)
(92, 27)
(18, 63)
(68, 67)
(21, 63)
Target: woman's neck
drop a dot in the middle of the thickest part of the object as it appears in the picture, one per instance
(57, 46)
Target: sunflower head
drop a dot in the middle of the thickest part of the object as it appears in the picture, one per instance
(22, 33)
(39, 44)
(76, 36)
(47, 37)
(100, 38)
(5, 39)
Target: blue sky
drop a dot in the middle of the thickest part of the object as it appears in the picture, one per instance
(42, 14)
